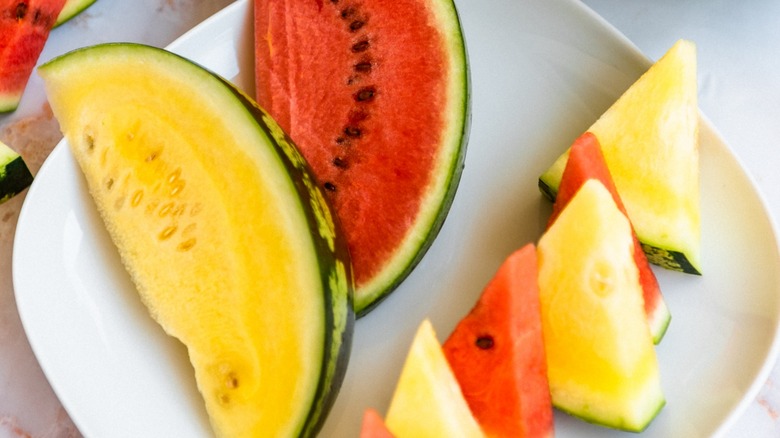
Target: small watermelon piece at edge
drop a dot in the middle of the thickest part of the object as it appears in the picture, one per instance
(586, 161)
(497, 353)
(374, 426)
(24, 29)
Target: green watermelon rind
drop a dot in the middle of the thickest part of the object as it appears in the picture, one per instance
(331, 243)
(71, 9)
(652, 406)
(436, 204)
(15, 176)
(10, 101)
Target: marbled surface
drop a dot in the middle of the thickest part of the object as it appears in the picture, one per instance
(739, 55)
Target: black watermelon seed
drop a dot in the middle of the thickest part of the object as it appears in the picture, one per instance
(363, 67)
(360, 46)
(21, 10)
(330, 187)
(352, 131)
(340, 163)
(356, 25)
(485, 342)
(365, 94)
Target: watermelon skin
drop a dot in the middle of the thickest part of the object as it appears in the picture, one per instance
(375, 95)
(71, 9)
(374, 426)
(585, 162)
(24, 29)
(497, 353)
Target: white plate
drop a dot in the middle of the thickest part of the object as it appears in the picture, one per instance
(542, 72)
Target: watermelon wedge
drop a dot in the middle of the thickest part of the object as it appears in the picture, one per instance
(24, 29)
(375, 95)
(650, 140)
(585, 162)
(497, 353)
(601, 361)
(427, 401)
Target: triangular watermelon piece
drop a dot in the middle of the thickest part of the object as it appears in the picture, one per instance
(497, 353)
(601, 364)
(650, 140)
(585, 162)
(428, 401)
(374, 426)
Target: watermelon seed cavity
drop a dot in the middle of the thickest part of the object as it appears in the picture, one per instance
(90, 141)
(137, 197)
(186, 245)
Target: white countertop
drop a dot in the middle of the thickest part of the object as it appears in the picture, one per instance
(739, 55)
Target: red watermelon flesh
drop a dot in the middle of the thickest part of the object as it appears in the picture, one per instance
(373, 426)
(374, 94)
(497, 353)
(24, 29)
(586, 162)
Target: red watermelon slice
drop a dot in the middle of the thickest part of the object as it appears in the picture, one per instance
(586, 162)
(497, 353)
(24, 29)
(373, 426)
(375, 95)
